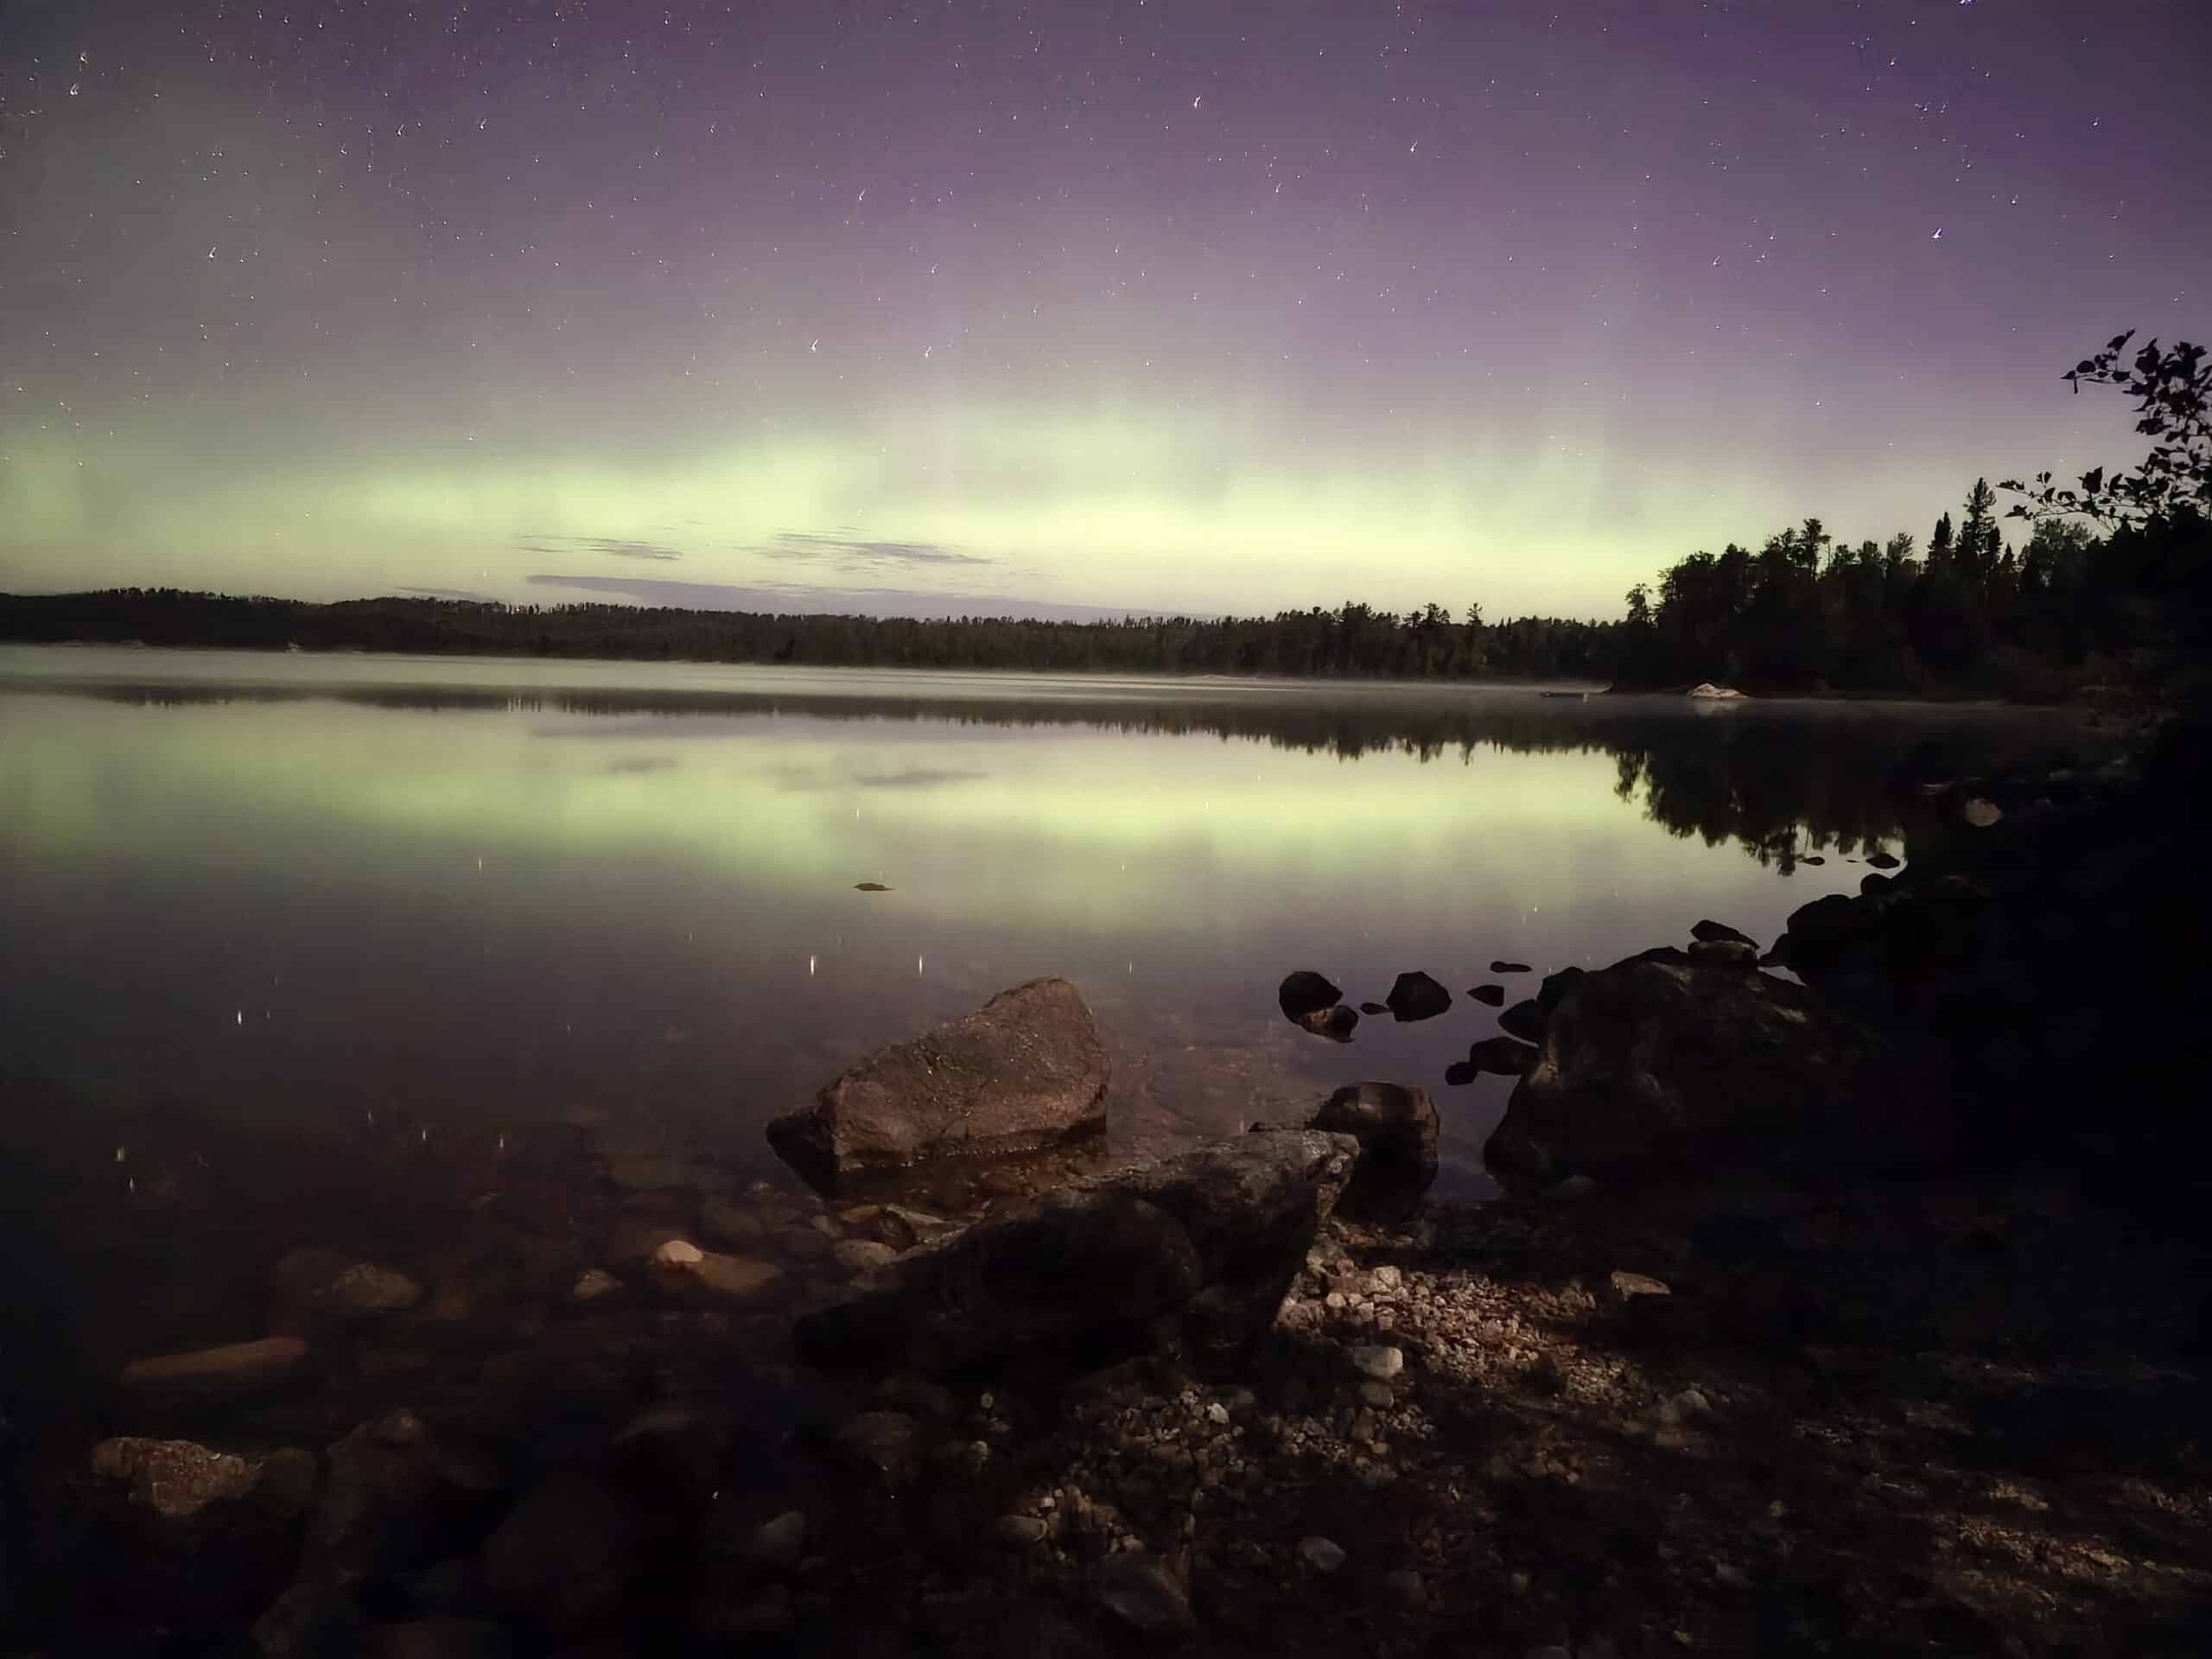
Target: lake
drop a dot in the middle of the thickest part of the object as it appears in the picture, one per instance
(479, 895)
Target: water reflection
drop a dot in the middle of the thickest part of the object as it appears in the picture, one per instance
(487, 894)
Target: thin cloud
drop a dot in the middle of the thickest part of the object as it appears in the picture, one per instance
(615, 547)
(451, 592)
(846, 549)
(793, 599)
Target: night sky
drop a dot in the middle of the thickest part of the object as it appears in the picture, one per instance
(959, 306)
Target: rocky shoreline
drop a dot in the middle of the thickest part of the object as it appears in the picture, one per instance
(1817, 1319)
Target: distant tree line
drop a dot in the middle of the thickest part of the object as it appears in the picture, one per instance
(1351, 641)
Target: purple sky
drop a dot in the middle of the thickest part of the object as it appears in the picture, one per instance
(1189, 306)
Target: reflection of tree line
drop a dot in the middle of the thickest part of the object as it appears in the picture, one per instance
(1780, 780)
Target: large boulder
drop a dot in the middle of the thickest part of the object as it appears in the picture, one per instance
(1396, 1126)
(1658, 1063)
(1024, 1073)
(1198, 1247)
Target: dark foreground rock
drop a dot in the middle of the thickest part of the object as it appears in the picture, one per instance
(1026, 1070)
(1658, 1063)
(1524, 1020)
(567, 1556)
(1416, 996)
(1196, 1249)
(1396, 1126)
(1708, 932)
(1303, 992)
(1491, 996)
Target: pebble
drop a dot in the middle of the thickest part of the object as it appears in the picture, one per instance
(596, 1282)
(1387, 1278)
(1379, 1362)
(1629, 1285)
(677, 1253)
(1377, 1394)
(1217, 1412)
(1322, 1554)
(1021, 1529)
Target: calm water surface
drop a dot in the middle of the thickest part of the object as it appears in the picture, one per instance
(476, 895)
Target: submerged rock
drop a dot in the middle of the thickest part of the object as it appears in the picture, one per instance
(1336, 1024)
(1025, 1071)
(1659, 1062)
(1460, 1073)
(1372, 1008)
(1143, 1594)
(567, 1556)
(316, 1286)
(217, 1376)
(1415, 996)
(1199, 1248)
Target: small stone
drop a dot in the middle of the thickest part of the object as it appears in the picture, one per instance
(1629, 1286)
(1142, 1594)
(678, 1253)
(1218, 1414)
(1981, 814)
(1388, 1277)
(1377, 1394)
(1021, 1530)
(1322, 1554)
(593, 1283)
(1731, 1575)
(1378, 1362)
(859, 1254)
(778, 1542)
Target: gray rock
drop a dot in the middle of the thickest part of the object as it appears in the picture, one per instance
(1322, 1554)
(379, 1501)
(779, 1543)
(567, 1556)
(317, 1286)
(1143, 1594)
(1202, 1246)
(1026, 1070)
(1396, 1126)
(1415, 996)
(189, 1534)
(1379, 1361)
